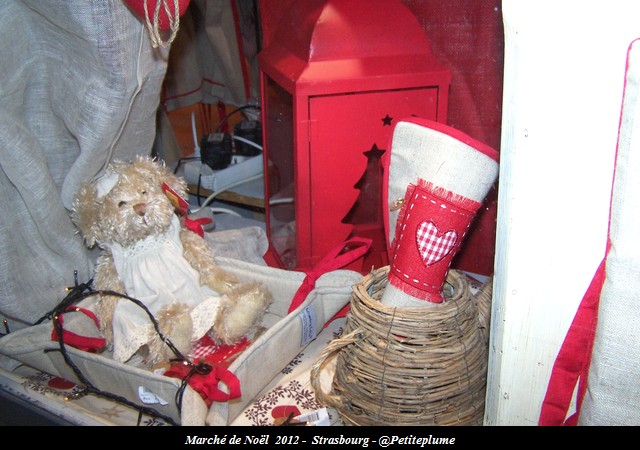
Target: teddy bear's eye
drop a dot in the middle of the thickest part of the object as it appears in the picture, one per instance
(144, 192)
(121, 204)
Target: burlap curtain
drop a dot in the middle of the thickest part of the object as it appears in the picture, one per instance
(79, 86)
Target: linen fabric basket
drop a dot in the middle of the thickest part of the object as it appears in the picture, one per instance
(286, 335)
(409, 366)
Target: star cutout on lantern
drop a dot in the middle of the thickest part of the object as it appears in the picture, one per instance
(374, 152)
(386, 120)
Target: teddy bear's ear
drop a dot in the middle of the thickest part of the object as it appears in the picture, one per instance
(85, 213)
(160, 172)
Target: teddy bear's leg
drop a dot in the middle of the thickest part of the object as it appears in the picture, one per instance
(241, 313)
(176, 325)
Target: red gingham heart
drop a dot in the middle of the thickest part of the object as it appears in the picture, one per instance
(433, 245)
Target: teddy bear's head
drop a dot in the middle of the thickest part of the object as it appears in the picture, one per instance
(127, 203)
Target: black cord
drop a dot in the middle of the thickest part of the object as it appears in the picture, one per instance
(75, 295)
(226, 117)
(83, 291)
(186, 158)
(91, 389)
(200, 368)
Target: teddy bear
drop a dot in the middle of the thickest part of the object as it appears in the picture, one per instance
(148, 253)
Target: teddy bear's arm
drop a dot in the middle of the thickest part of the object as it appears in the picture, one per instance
(106, 277)
(245, 303)
(199, 254)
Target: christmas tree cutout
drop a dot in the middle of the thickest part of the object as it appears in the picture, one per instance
(366, 213)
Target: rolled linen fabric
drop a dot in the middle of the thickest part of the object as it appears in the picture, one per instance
(437, 178)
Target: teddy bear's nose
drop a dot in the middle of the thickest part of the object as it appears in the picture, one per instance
(140, 209)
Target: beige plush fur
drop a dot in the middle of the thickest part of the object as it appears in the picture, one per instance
(131, 206)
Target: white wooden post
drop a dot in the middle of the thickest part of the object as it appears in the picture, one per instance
(563, 81)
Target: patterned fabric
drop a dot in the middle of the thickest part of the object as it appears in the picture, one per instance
(292, 391)
(203, 348)
(69, 401)
(432, 244)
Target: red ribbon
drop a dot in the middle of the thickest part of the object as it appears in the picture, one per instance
(573, 361)
(182, 209)
(195, 225)
(206, 384)
(88, 344)
(335, 259)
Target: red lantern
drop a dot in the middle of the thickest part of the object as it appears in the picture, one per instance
(335, 77)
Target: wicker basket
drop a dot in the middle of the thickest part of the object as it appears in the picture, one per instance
(409, 366)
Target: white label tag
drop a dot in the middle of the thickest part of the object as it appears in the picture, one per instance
(317, 418)
(149, 397)
(308, 319)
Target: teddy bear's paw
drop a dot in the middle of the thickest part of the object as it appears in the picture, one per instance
(242, 313)
(176, 325)
(219, 280)
(105, 307)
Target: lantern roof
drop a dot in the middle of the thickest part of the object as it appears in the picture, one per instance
(371, 42)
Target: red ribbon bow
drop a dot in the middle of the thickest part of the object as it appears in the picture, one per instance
(182, 209)
(207, 384)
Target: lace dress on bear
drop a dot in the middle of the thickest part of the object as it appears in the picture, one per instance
(155, 272)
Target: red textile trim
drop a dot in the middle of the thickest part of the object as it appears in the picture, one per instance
(449, 197)
(355, 248)
(431, 227)
(195, 225)
(85, 343)
(571, 367)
